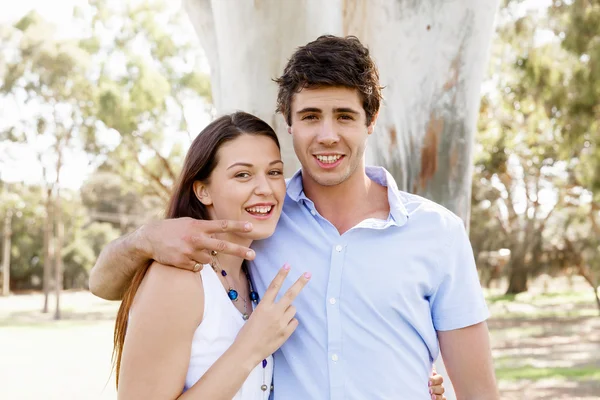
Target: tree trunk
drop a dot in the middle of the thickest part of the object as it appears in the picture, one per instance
(48, 248)
(7, 233)
(586, 273)
(60, 228)
(518, 275)
(431, 56)
(58, 271)
(518, 281)
(595, 289)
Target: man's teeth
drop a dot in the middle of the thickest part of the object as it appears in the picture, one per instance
(328, 159)
(260, 210)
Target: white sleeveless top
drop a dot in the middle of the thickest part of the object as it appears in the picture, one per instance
(219, 327)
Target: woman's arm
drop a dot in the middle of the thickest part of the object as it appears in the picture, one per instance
(167, 309)
(166, 312)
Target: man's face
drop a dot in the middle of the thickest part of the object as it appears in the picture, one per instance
(329, 133)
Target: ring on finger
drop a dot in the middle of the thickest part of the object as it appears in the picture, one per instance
(197, 267)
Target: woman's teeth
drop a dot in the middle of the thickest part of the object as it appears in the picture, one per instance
(328, 159)
(259, 210)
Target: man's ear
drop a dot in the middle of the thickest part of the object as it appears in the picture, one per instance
(289, 129)
(201, 192)
(371, 126)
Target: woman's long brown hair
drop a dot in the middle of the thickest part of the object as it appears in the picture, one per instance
(200, 161)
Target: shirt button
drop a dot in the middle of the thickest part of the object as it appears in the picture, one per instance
(334, 357)
(332, 300)
(338, 247)
(313, 212)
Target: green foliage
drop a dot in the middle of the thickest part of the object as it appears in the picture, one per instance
(129, 73)
(84, 238)
(536, 169)
(150, 70)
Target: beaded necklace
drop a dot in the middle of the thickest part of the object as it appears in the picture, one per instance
(234, 296)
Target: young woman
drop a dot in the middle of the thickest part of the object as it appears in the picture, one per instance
(205, 335)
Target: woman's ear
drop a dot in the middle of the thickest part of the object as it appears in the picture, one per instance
(201, 192)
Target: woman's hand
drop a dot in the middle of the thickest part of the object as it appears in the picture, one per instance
(436, 386)
(271, 323)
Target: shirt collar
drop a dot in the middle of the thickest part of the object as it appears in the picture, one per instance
(380, 175)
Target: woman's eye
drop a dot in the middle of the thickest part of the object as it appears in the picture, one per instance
(276, 172)
(242, 175)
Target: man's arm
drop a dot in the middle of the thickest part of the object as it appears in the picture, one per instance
(181, 243)
(468, 360)
(116, 266)
(459, 312)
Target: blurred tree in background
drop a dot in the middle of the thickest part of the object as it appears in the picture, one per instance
(536, 180)
(114, 94)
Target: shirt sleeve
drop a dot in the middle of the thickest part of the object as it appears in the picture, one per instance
(458, 301)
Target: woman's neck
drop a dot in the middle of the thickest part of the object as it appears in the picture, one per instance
(232, 264)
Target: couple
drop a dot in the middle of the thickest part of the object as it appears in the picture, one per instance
(381, 280)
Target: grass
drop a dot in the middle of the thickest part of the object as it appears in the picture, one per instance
(534, 374)
(491, 299)
(540, 352)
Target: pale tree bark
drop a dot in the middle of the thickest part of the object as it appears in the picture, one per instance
(247, 44)
(431, 56)
(48, 247)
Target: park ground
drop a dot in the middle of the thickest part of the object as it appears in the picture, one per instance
(546, 345)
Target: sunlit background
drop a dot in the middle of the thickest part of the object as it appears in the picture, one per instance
(112, 93)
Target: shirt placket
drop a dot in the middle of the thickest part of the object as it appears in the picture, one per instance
(334, 328)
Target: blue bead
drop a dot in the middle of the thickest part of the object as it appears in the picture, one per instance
(253, 296)
(233, 295)
(264, 363)
(223, 272)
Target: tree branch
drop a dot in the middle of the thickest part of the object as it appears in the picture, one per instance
(155, 178)
(162, 159)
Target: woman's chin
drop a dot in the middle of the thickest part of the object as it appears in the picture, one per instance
(260, 232)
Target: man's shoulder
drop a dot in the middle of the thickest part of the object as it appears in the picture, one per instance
(423, 210)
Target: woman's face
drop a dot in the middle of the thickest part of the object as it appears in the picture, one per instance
(246, 185)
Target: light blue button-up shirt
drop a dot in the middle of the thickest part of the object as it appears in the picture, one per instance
(378, 294)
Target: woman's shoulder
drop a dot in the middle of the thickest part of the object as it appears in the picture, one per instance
(172, 288)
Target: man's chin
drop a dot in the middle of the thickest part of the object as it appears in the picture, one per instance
(326, 178)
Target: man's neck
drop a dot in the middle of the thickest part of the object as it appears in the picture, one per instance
(348, 203)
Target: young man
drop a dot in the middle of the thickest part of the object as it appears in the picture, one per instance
(393, 276)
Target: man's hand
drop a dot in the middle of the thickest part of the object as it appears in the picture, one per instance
(185, 242)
